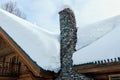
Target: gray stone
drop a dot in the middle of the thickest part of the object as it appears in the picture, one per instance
(67, 46)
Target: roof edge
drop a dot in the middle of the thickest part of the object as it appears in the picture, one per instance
(33, 66)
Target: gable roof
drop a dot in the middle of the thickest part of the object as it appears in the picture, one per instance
(106, 47)
(43, 47)
(40, 45)
(34, 68)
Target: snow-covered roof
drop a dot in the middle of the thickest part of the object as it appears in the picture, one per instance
(105, 47)
(41, 45)
(93, 32)
(95, 42)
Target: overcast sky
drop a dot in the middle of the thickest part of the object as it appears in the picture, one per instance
(45, 12)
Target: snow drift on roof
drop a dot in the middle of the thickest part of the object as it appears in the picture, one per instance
(91, 33)
(41, 45)
(44, 47)
(106, 47)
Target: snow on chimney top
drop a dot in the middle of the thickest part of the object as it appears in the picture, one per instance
(64, 7)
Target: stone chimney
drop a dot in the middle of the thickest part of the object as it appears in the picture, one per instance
(68, 37)
(67, 45)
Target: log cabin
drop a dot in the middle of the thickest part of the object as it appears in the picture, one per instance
(16, 63)
(101, 70)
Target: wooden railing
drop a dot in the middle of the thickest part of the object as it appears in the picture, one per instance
(9, 69)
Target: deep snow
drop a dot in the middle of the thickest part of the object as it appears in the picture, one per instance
(95, 42)
(106, 47)
(91, 33)
(41, 45)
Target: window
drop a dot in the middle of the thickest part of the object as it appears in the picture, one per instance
(114, 77)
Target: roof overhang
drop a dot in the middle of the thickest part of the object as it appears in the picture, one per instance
(31, 65)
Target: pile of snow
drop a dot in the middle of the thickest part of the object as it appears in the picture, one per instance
(41, 45)
(64, 7)
(106, 47)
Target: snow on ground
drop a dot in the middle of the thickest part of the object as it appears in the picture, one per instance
(106, 47)
(95, 42)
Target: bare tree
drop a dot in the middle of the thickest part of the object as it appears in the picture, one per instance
(11, 7)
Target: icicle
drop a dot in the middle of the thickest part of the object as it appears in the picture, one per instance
(115, 60)
(102, 62)
(111, 60)
(105, 61)
(108, 60)
(118, 58)
(98, 62)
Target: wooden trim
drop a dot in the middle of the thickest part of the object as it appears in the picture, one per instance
(32, 67)
(99, 68)
(8, 78)
(113, 76)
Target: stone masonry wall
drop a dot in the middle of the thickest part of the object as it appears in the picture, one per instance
(68, 42)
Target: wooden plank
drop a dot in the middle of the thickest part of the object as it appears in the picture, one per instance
(99, 71)
(5, 51)
(8, 78)
(112, 67)
(32, 67)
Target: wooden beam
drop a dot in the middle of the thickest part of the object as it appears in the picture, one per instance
(99, 71)
(8, 78)
(5, 51)
(32, 67)
(3, 44)
(103, 68)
